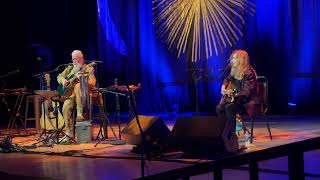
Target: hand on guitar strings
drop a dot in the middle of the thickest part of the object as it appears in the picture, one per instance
(229, 92)
(65, 82)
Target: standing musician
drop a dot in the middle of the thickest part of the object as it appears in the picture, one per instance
(238, 89)
(70, 78)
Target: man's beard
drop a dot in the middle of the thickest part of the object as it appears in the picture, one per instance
(77, 67)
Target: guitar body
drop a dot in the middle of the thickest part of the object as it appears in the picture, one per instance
(229, 99)
(48, 119)
(232, 99)
(65, 92)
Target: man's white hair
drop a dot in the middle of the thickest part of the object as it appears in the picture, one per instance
(77, 53)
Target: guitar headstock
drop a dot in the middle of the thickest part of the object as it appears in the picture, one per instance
(91, 64)
(47, 78)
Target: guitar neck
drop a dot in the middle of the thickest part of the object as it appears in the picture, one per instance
(48, 79)
(74, 77)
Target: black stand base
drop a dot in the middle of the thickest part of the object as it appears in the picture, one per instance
(104, 125)
(53, 137)
(110, 141)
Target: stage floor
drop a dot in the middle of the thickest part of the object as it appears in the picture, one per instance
(107, 161)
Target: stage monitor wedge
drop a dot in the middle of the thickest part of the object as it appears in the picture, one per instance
(203, 135)
(153, 127)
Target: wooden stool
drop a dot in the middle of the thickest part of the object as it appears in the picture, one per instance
(35, 99)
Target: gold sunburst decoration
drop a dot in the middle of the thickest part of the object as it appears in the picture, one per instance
(200, 26)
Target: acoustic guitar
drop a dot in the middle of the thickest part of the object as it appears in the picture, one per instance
(66, 91)
(230, 98)
(48, 119)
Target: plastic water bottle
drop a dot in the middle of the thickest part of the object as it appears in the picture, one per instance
(247, 139)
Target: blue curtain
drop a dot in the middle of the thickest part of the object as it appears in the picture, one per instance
(281, 39)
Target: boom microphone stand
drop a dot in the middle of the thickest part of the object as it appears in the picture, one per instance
(107, 122)
(117, 108)
(143, 138)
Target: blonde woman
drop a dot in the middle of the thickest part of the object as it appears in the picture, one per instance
(238, 89)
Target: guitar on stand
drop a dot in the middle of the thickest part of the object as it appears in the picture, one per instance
(47, 120)
(51, 118)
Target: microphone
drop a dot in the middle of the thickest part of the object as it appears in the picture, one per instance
(62, 66)
(69, 64)
(115, 82)
(225, 68)
(93, 61)
(13, 72)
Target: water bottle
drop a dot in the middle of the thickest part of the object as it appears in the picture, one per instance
(247, 139)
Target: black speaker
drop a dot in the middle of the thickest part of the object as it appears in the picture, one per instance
(153, 127)
(203, 134)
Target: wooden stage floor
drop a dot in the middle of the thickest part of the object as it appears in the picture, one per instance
(117, 162)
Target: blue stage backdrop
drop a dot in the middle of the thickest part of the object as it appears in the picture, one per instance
(282, 39)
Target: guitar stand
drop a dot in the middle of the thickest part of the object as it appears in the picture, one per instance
(46, 135)
(44, 131)
(58, 131)
(53, 135)
(104, 123)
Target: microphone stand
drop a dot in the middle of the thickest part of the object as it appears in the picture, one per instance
(143, 138)
(103, 123)
(196, 77)
(107, 122)
(8, 74)
(118, 114)
(117, 108)
(58, 68)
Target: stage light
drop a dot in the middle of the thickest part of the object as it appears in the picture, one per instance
(203, 26)
(292, 104)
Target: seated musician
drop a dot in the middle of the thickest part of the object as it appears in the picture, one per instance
(238, 89)
(70, 78)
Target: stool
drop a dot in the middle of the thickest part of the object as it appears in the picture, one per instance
(35, 99)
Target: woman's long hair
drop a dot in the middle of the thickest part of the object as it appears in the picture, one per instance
(240, 63)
